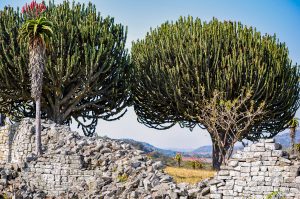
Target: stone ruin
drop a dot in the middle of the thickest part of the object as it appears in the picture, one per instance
(73, 166)
(257, 171)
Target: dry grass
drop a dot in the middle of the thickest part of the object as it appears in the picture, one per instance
(189, 175)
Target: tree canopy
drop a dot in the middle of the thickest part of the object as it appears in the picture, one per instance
(224, 76)
(86, 69)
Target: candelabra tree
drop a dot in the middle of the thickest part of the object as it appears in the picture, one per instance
(223, 76)
(86, 67)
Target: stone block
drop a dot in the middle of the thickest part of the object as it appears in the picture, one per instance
(245, 174)
(268, 179)
(271, 140)
(254, 173)
(263, 168)
(238, 189)
(247, 149)
(246, 156)
(237, 156)
(255, 169)
(260, 144)
(272, 146)
(269, 158)
(234, 173)
(285, 160)
(238, 168)
(213, 188)
(294, 190)
(256, 163)
(284, 189)
(257, 154)
(245, 169)
(245, 164)
(216, 196)
(252, 184)
(225, 167)
(257, 149)
(224, 177)
(230, 182)
(277, 153)
(240, 183)
(269, 163)
(229, 197)
(275, 174)
(228, 192)
(289, 179)
(233, 163)
(258, 178)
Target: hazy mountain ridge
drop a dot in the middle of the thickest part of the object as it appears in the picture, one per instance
(285, 140)
(148, 148)
(203, 151)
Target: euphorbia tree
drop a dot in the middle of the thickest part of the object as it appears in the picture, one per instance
(222, 76)
(36, 31)
(86, 70)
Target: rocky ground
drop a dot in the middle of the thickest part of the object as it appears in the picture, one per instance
(74, 166)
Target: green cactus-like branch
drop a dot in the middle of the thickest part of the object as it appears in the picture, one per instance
(177, 61)
(86, 69)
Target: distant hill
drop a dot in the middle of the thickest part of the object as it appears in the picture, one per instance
(284, 139)
(148, 148)
(180, 149)
(203, 151)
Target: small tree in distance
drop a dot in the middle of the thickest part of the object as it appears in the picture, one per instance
(178, 158)
(293, 124)
(36, 32)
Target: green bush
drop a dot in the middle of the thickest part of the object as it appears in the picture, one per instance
(275, 195)
(297, 147)
(123, 177)
(195, 164)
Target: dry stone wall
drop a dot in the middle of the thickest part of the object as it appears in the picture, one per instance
(6, 141)
(73, 166)
(257, 171)
(3, 143)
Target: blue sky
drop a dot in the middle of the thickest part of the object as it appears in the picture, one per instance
(268, 16)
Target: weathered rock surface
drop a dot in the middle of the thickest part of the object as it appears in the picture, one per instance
(73, 166)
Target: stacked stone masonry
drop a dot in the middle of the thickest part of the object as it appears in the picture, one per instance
(73, 166)
(257, 171)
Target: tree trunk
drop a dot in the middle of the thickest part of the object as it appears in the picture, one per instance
(36, 69)
(217, 158)
(218, 154)
(2, 119)
(38, 127)
(292, 134)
